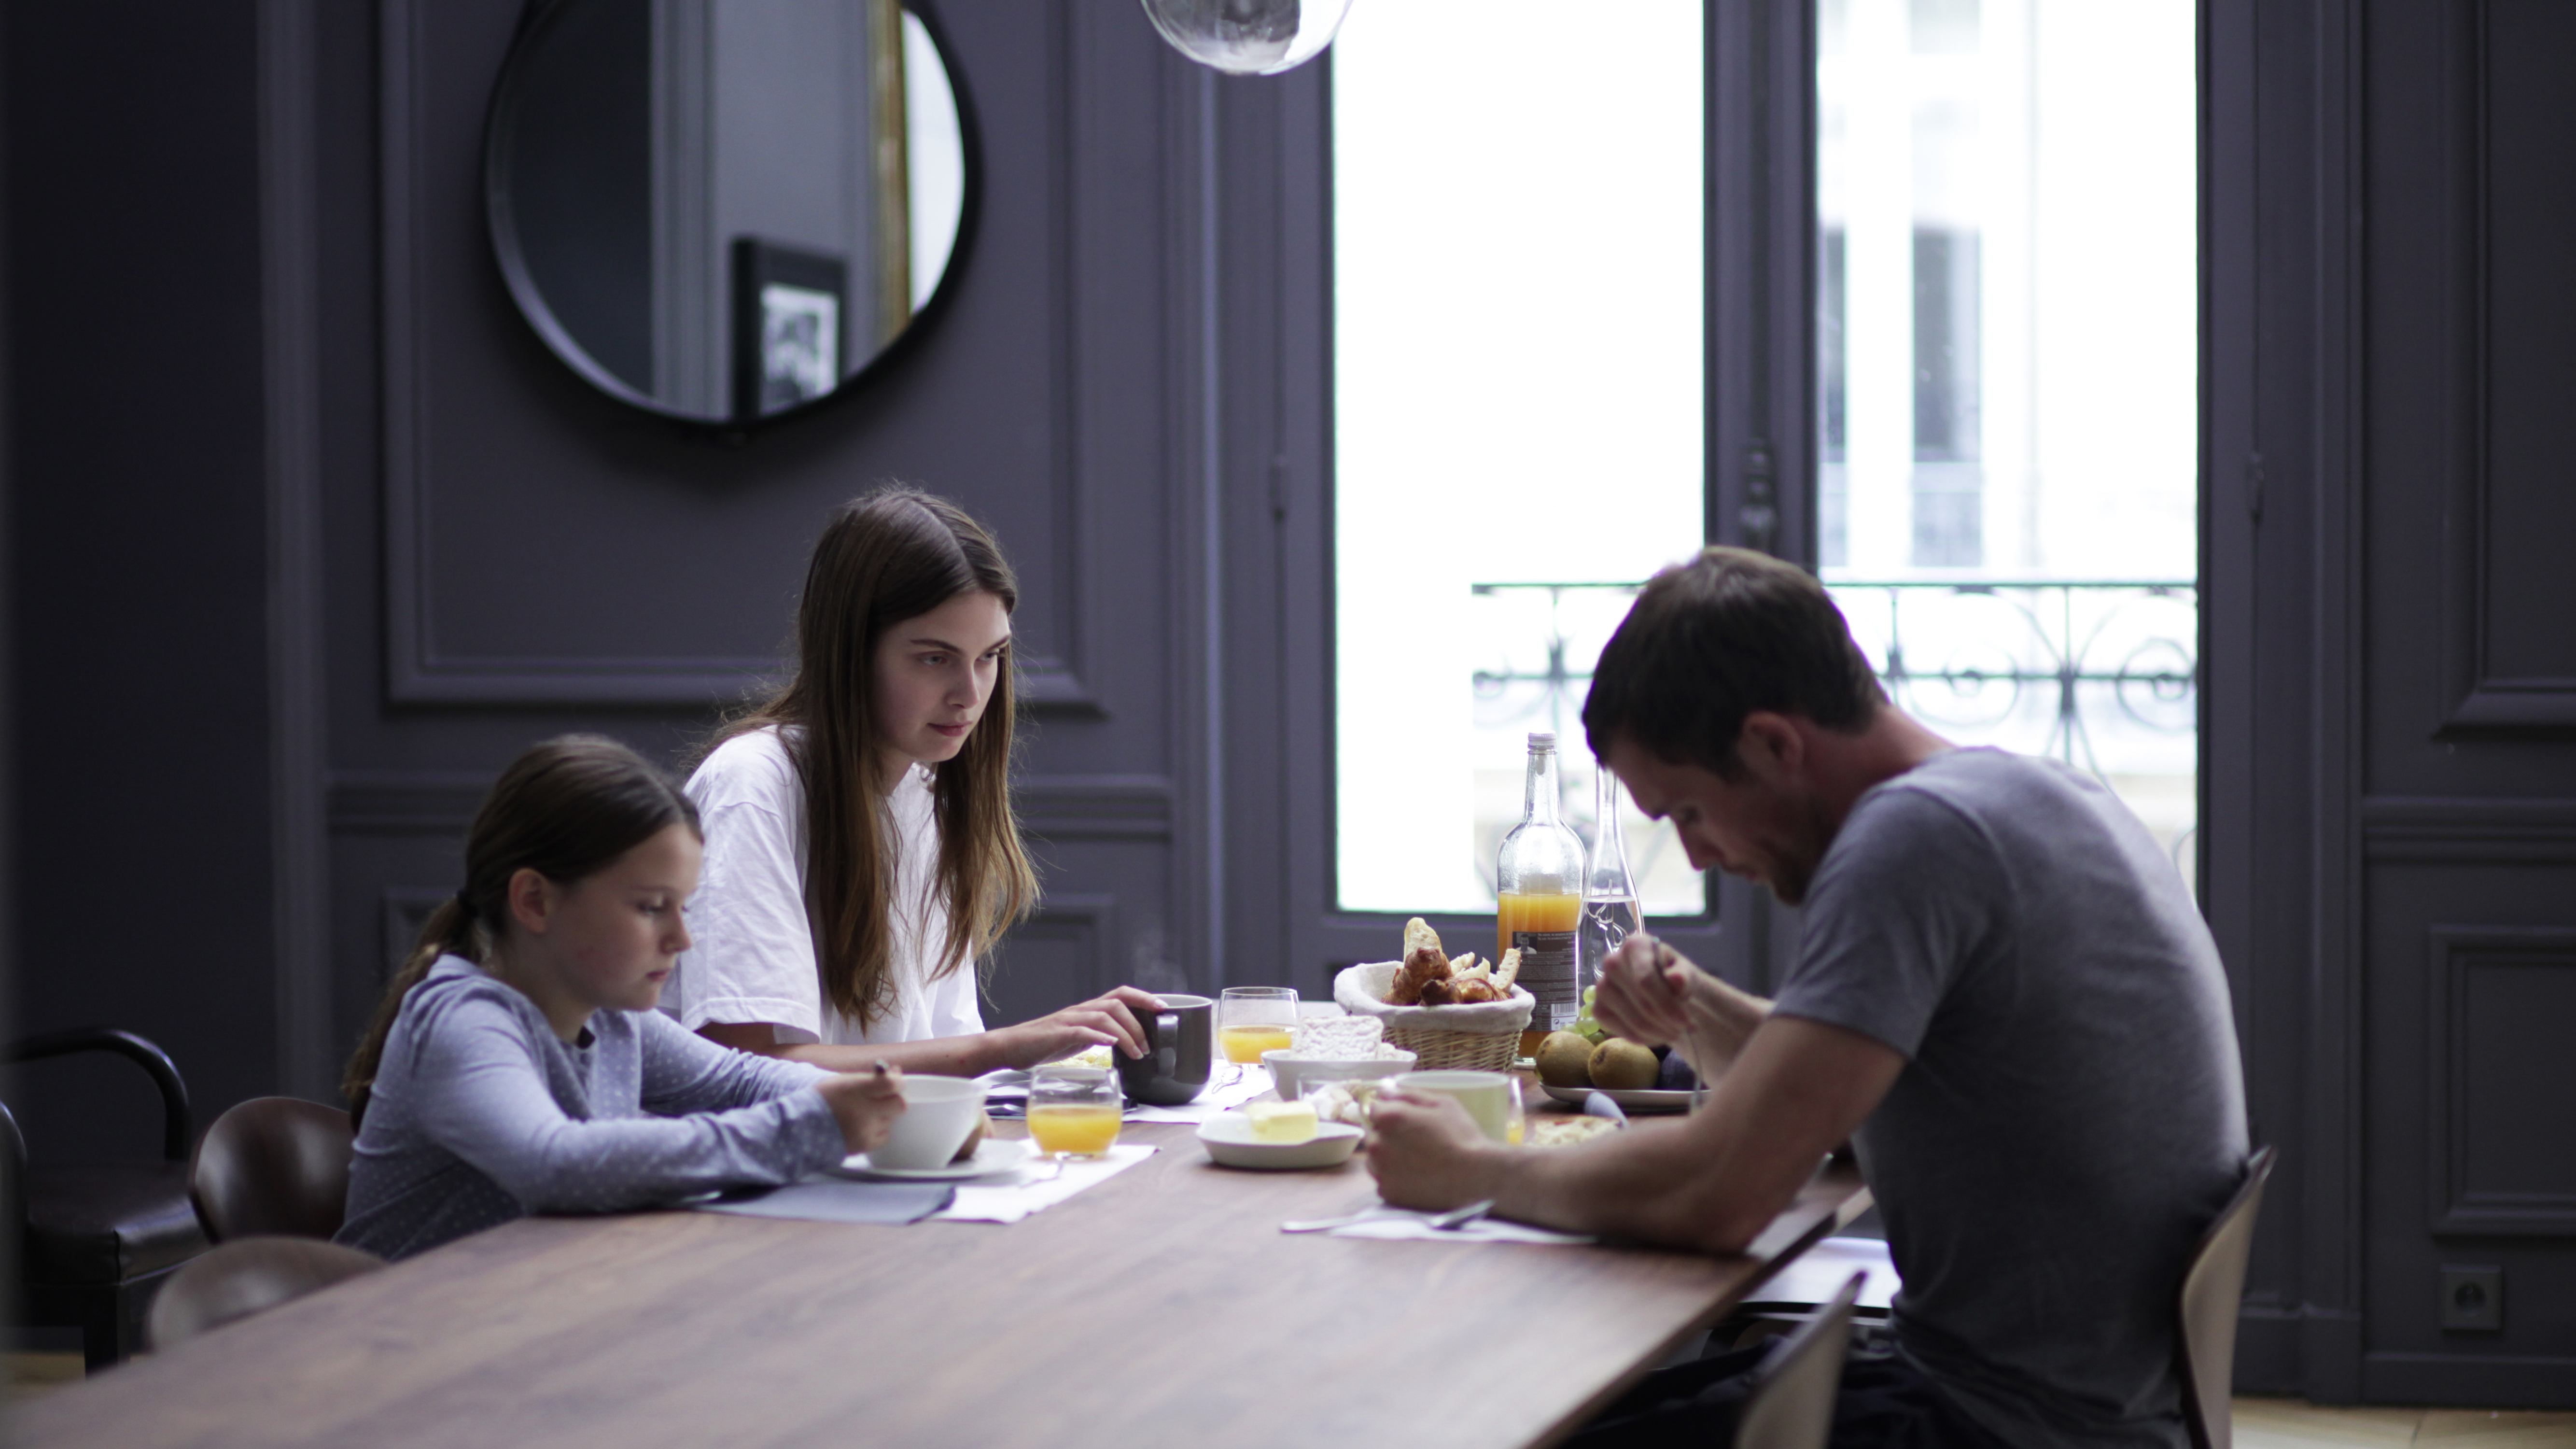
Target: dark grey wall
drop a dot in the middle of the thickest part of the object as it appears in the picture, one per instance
(2392, 692)
(136, 572)
(278, 365)
(508, 554)
(310, 535)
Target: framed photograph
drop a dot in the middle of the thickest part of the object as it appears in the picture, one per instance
(790, 320)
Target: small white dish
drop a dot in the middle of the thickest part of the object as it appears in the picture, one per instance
(1290, 1074)
(993, 1155)
(1228, 1139)
(1630, 1100)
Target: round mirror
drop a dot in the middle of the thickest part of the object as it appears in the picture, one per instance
(724, 210)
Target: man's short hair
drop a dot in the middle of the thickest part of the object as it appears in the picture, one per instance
(1712, 640)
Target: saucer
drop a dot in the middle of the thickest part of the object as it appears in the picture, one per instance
(1228, 1139)
(994, 1155)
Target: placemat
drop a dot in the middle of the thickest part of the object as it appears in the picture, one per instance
(1039, 1186)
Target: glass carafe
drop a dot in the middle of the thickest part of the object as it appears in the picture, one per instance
(1538, 885)
(1610, 911)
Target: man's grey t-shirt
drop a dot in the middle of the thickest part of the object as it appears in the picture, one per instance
(2072, 1112)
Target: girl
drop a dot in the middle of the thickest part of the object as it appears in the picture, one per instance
(861, 855)
(517, 1065)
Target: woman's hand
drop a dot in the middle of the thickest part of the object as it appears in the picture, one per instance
(1427, 1153)
(1649, 993)
(1101, 1021)
(866, 1104)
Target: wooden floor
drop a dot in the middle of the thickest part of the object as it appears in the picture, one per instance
(2291, 1424)
(2260, 1423)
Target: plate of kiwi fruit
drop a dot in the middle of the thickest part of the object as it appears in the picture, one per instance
(1572, 1065)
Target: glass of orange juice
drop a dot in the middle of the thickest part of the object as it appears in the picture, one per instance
(1074, 1111)
(1251, 1020)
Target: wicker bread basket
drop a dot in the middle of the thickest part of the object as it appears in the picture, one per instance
(1482, 1036)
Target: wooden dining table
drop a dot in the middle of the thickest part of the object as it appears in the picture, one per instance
(1161, 1307)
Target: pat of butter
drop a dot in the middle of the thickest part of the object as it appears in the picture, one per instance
(1282, 1122)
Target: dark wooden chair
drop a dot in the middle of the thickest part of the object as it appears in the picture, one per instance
(273, 1166)
(1792, 1402)
(247, 1276)
(2213, 1288)
(1788, 1297)
(96, 1240)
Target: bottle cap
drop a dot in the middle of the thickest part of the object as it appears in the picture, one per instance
(1542, 739)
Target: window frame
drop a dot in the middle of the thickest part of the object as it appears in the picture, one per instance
(1760, 477)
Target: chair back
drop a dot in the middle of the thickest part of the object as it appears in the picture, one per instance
(1792, 1403)
(247, 1276)
(2213, 1288)
(273, 1165)
(155, 1063)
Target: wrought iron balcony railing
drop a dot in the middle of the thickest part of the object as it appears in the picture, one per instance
(2104, 675)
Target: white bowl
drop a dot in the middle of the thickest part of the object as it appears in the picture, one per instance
(1228, 1139)
(938, 1112)
(1289, 1073)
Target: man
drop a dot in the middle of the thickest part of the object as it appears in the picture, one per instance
(2003, 996)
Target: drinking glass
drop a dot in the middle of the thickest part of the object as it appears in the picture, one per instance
(1251, 1020)
(1074, 1111)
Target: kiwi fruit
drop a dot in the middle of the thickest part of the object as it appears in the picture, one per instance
(1623, 1065)
(1563, 1060)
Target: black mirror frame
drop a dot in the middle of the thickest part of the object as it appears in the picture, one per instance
(501, 227)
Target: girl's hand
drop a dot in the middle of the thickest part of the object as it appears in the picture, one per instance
(866, 1104)
(1102, 1021)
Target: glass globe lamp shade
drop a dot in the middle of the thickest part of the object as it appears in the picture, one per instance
(1248, 37)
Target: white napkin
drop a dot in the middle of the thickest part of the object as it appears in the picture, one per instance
(1037, 1187)
(1005, 1084)
(1222, 1095)
(1392, 1224)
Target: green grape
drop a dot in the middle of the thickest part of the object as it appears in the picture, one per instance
(1584, 1025)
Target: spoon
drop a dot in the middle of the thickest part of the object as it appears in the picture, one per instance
(1449, 1221)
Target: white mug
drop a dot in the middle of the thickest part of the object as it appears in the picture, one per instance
(937, 1114)
(1487, 1096)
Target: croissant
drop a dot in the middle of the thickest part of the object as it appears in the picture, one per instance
(1425, 964)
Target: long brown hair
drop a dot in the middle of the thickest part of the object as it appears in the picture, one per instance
(566, 809)
(896, 554)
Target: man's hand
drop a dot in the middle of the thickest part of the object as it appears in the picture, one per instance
(1710, 1182)
(1427, 1153)
(1649, 993)
(1101, 1021)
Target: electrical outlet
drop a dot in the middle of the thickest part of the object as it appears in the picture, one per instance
(2473, 1298)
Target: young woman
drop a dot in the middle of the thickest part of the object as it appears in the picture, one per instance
(517, 1063)
(861, 855)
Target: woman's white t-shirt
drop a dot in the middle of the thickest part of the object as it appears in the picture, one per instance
(752, 957)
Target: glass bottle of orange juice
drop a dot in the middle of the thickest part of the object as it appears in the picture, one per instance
(1539, 881)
